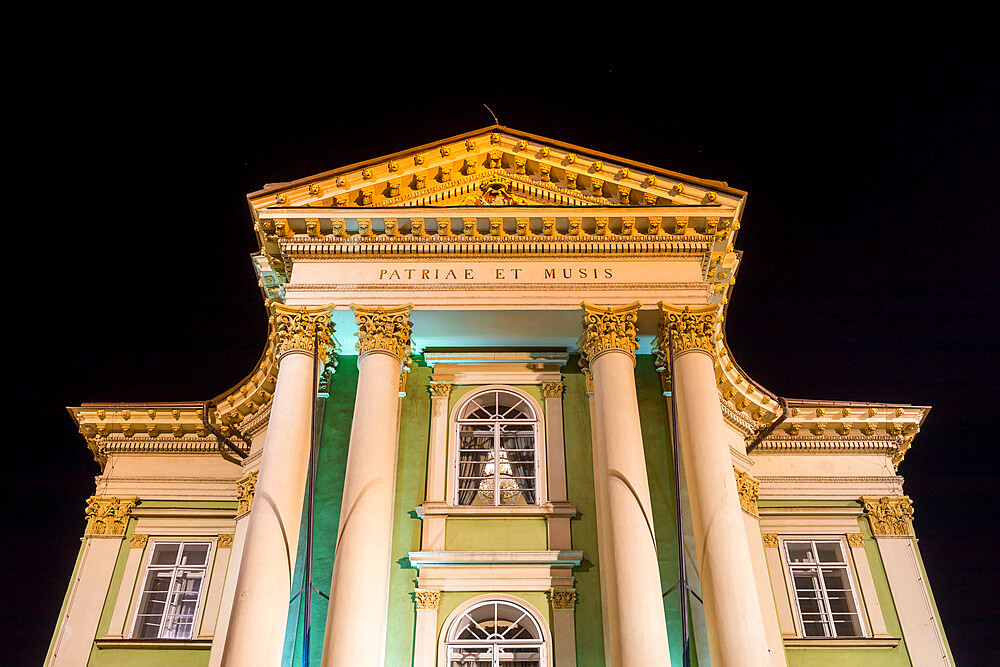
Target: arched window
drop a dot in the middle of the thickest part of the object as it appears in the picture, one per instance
(496, 458)
(495, 633)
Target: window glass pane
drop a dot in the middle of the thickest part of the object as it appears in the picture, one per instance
(815, 628)
(194, 554)
(829, 552)
(847, 626)
(799, 552)
(480, 656)
(165, 553)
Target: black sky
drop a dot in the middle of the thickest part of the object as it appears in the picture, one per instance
(868, 146)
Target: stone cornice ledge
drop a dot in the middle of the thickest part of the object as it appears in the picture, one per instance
(846, 642)
(443, 509)
(419, 559)
(157, 644)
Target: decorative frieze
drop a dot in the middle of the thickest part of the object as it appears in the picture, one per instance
(296, 328)
(138, 541)
(889, 515)
(384, 328)
(225, 541)
(440, 389)
(245, 489)
(855, 540)
(563, 598)
(108, 515)
(426, 599)
(552, 389)
(611, 328)
(688, 328)
(770, 540)
(748, 489)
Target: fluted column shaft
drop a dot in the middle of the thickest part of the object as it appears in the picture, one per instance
(355, 628)
(260, 607)
(608, 344)
(732, 609)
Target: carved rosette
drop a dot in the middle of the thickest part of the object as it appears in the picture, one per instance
(770, 540)
(138, 541)
(889, 515)
(245, 489)
(748, 489)
(386, 329)
(108, 515)
(611, 328)
(426, 599)
(440, 389)
(855, 540)
(295, 328)
(225, 541)
(563, 598)
(552, 389)
(688, 328)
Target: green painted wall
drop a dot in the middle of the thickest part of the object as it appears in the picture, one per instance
(335, 436)
(583, 527)
(144, 657)
(411, 483)
(116, 580)
(489, 534)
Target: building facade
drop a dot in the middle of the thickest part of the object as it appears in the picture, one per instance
(502, 346)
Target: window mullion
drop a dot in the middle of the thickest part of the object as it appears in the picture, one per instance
(166, 603)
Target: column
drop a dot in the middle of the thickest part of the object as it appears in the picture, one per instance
(608, 345)
(425, 631)
(564, 626)
(355, 626)
(433, 529)
(891, 519)
(732, 610)
(263, 587)
(107, 520)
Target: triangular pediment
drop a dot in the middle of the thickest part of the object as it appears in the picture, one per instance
(466, 170)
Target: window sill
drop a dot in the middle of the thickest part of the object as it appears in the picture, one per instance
(444, 509)
(155, 643)
(846, 642)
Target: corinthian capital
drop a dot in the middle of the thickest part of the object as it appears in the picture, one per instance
(690, 329)
(611, 328)
(889, 515)
(384, 328)
(295, 328)
(108, 515)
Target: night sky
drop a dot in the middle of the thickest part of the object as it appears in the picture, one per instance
(868, 147)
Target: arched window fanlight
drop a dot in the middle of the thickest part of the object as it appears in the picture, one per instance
(496, 455)
(495, 633)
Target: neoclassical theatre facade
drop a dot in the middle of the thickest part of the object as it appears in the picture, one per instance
(486, 357)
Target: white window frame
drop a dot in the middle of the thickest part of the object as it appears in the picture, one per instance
(140, 584)
(846, 564)
(541, 486)
(457, 614)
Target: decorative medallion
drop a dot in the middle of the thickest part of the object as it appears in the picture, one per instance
(748, 489)
(383, 328)
(889, 515)
(611, 328)
(494, 191)
(108, 515)
(427, 599)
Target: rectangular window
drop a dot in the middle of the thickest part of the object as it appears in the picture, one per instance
(824, 595)
(171, 590)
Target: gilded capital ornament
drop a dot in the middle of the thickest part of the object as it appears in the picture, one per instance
(427, 599)
(245, 489)
(440, 389)
(384, 328)
(770, 540)
(688, 328)
(295, 328)
(855, 540)
(889, 515)
(563, 599)
(108, 515)
(552, 389)
(225, 541)
(611, 328)
(748, 489)
(138, 541)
